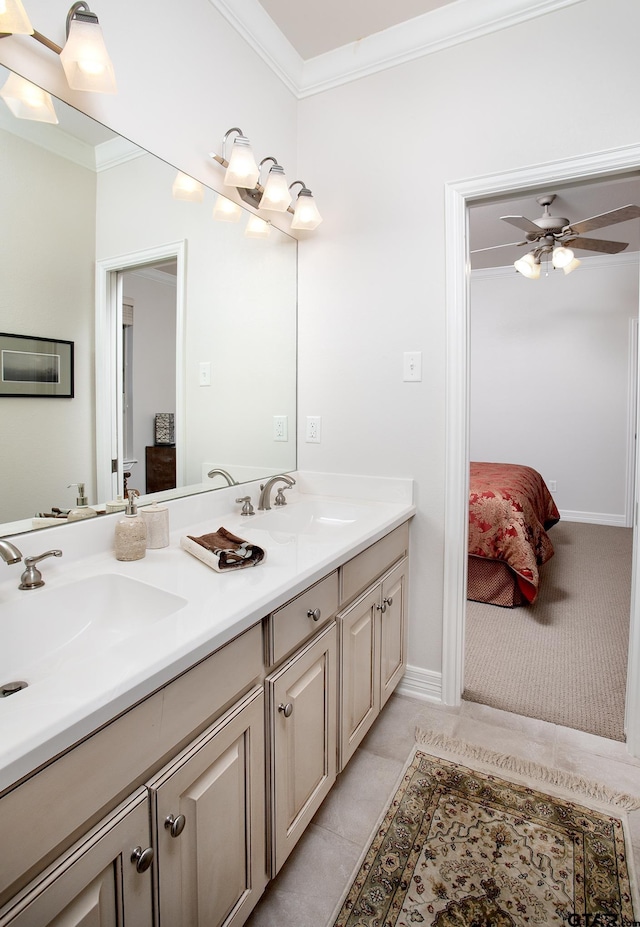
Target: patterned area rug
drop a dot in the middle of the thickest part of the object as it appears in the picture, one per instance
(461, 848)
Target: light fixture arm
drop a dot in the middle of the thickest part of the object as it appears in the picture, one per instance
(224, 161)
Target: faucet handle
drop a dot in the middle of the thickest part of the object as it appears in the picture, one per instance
(247, 508)
(32, 577)
(280, 499)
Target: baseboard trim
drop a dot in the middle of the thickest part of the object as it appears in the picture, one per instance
(594, 518)
(421, 683)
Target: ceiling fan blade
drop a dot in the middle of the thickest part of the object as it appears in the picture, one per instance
(598, 244)
(606, 218)
(523, 223)
(507, 244)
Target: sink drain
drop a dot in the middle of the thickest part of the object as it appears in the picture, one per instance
(10, 688)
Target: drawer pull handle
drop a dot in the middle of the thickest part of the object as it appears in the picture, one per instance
(175, 825)
(286, 710)
(314, 613)
(142, 858)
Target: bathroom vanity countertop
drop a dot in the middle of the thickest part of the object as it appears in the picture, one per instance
(90, 686)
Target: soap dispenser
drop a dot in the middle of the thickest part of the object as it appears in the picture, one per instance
(82, 509)
(131, 532)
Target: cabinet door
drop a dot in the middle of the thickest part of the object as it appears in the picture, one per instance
(359, 660)
(96, 882)
(302, 713)
(210, 819)
(393, 622)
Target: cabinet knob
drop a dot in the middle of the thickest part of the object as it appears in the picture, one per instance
(286, 710)
(314, 613)
(142, 858)
(382, 608)
(175, 825)
(388, 601)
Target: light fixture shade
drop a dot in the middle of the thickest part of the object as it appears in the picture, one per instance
(26, 101)
(13, 18)
(276, 196)
(257, 228)
(571, 266)
(528, 266)
(306, 215)
(243, 170)
(85, 59)
(187, 188)
(226, 210)
(562, 256)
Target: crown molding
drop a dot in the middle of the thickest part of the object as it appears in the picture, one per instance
(452, 24)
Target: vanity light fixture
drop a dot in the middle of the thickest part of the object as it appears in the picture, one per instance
(275, 196)
(242, 170)
(187, 188)
(305, 214)
(85, 60)
(26, 101)
(257, 227)
(14, 19)
(226, 210)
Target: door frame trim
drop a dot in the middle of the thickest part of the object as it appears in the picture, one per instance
(458, 196)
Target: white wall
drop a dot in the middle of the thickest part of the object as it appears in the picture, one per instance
(372, 282)
(46, 290)
(549, 378)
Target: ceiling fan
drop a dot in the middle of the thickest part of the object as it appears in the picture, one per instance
(557, 236)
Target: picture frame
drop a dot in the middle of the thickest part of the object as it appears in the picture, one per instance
(34, 366)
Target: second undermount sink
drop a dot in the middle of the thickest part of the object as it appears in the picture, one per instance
(48, 627)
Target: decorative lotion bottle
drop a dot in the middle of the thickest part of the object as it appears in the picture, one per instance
(131, 532)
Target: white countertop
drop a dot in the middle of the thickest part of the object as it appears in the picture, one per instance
(81, 694)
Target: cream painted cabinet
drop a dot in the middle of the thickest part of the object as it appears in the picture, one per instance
(372, 655)
(209, 818)
(302, 722)
(104, 880)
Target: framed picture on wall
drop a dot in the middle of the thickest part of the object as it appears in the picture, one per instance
(32, 366)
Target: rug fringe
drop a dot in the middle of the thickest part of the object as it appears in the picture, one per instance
(528, 769)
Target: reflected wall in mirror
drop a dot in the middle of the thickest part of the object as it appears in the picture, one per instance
(85, 215)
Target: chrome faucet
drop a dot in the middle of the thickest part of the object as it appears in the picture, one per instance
(265, 491)
(9, 552)
(32, 577)
(218, 471)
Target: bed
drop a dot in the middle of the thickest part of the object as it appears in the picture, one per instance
(510, 512)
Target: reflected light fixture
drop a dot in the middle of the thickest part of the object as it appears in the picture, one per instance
(187, 188)
(225, 210)
(257, 228)
(26, 101)
(276, 196)
(14, 19)
(529, 265)
(305, 214)
(85, 60)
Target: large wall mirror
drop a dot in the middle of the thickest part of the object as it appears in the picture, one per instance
(169, 311)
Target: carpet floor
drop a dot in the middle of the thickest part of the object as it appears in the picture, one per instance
(460, 848)
(563, 659)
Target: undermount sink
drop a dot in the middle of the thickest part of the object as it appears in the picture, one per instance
(46, 628)
(311, 517)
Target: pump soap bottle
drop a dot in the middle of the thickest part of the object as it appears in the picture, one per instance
(131, 532)
(82, 509)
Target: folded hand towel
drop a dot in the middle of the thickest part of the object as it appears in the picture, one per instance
(222, 550)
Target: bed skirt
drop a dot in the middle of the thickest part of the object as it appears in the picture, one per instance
(493, 582)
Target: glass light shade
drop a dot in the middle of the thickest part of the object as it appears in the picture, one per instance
(187, 188)
(562, 256)
(226, 210)
(26, 101)
(85, 60)
(257, 228)
(243, 170)
(276, 196)
(13, 18)
(528, 266)
(571, 266)
(306, 215)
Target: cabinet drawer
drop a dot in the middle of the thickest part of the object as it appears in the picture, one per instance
(360, 572)
(292, 624)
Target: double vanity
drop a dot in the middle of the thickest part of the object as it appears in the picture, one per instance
(181, 727)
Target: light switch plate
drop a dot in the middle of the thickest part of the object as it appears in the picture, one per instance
(204, 373)
(412, 366)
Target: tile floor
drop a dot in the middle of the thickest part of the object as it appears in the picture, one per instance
(312, 882)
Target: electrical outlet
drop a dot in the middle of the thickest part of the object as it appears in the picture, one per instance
(280, 428)
(314, 427)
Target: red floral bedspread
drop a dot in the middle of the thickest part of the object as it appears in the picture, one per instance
(509, 509)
